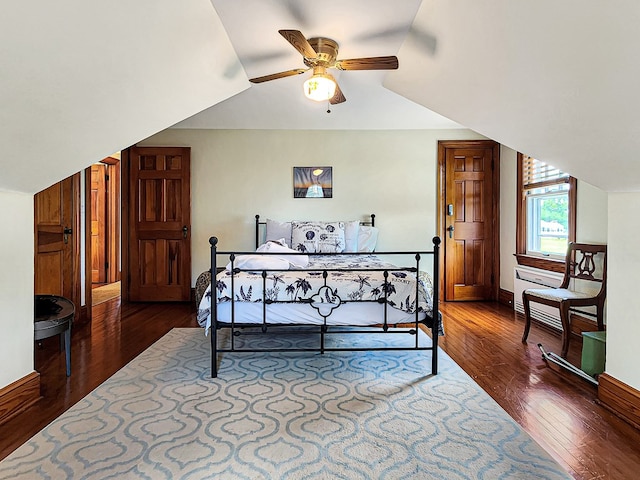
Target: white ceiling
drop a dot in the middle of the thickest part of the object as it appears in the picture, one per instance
(366, 28)
(556, 80)
(81, 80)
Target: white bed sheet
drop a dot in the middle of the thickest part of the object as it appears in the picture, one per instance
(291, 290)
(351, 314)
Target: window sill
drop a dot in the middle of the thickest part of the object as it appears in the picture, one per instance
(541, 263)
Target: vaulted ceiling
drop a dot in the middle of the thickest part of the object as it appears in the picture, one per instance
(368, 28)
(81, 80)
(556, 80)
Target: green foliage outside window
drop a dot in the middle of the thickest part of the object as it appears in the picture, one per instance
(555, 210)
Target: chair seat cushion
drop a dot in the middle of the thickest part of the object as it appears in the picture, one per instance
(558, 294)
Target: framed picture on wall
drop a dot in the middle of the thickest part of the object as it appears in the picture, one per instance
(312, 182)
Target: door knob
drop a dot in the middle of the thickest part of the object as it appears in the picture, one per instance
(185, 230)
(450, 230)
(65, 234)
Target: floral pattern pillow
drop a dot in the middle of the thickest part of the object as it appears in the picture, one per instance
(318, 237)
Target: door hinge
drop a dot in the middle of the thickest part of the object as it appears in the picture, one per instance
(106, 177)
(493, 280)
(106, 265)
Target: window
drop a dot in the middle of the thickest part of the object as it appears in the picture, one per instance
(546, 214)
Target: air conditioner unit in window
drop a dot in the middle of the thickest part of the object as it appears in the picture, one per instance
(527, 277)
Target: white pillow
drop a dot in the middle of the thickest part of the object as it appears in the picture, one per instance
(317, 237)
(300, 261)
(351, 229)
(277, 230)
(367, 239)
(259, 262)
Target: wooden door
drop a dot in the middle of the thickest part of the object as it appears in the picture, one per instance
(159, 255)
(469, 219)
(113, 219)
(56, 240)
(98, 206)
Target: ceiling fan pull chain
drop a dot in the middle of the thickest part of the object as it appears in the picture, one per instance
(328, 106)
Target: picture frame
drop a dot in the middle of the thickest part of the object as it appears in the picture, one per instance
(312, 182)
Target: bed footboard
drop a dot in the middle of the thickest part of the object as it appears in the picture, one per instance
(325, 300)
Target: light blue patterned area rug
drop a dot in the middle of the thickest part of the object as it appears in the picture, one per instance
(337, 415)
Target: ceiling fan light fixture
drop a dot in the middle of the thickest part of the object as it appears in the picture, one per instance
(320, 87)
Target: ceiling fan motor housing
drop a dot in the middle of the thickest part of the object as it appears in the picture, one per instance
(327, 52)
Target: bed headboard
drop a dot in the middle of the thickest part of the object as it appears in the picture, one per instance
(261, 224)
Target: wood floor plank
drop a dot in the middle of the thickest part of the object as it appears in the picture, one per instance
(560, 411)
(116, 335)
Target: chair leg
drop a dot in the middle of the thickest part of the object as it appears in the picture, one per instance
(566, 328)
(527, 317)
(600, 316)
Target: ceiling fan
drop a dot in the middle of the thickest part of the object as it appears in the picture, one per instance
(320, 54)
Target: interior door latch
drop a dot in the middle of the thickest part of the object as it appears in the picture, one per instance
(450, 230)
(65, 234)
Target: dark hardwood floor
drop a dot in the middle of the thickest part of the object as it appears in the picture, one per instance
(560, 411)
(116, 335)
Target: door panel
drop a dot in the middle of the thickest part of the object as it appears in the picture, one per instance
(470, 229)
(51, 274)
(56, 245)
(160, 247)
(113, 219)
(98, 224)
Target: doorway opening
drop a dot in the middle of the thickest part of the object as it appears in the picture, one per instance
(103, 232)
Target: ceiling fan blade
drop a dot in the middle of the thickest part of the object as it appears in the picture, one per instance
(368, 63)
(399, 31)
(293, 7)
(299, 42)
(426, 39)
(274, 76)
(338, 97)
(263, 57)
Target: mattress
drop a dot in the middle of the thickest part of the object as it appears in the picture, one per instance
(333, 289)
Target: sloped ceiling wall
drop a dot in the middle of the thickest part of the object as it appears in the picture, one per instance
(556, 80)
(83, 79)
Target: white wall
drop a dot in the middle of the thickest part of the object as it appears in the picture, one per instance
(591, 215)
(71, 96)
(508, 193)
(549, 90)
(237, 174)
(392, 174)
(16, 287)
(623, 300)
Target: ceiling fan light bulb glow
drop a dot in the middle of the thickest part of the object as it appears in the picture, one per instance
(319, 88)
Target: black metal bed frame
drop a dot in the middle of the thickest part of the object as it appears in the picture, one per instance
(324, 329)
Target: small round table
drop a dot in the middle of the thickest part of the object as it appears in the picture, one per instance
(49, 323)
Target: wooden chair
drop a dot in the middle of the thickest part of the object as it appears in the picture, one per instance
(586, 266)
